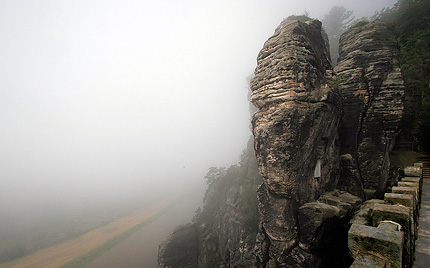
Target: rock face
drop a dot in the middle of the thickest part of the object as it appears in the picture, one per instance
(372, 91)
(322, 141)
(295, 131)
(223, 233)
(180, 248)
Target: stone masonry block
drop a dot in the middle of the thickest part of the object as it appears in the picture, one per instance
(363, 215)
(406, 200)
(401, 215)
(412, 179)
(388, 243)
(345, 201)
(368, 260)
(414, 185)
(396, 213)
(415, 180)
(408, 184)
(406, 190)
(413, 171)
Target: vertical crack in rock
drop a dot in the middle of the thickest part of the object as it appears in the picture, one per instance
(295, 133)
(372, 91)
(363, 115)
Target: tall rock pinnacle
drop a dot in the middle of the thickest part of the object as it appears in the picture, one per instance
(295, 132)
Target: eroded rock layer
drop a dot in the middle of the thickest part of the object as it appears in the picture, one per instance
(295, 134)
(372, 89)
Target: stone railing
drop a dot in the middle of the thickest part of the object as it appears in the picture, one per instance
(383, 232)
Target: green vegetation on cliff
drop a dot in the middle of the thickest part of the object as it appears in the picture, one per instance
(223, 232)
(410, 19)
(229, 219)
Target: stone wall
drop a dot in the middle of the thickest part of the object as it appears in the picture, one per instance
(383, 232)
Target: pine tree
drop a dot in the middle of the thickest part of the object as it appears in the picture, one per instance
(335, 22)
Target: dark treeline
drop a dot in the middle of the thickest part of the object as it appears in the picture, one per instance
(410, 19)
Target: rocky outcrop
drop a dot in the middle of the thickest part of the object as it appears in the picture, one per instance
(180, 249)
(322, 141)
(322, 228)
(372, 89)
(223, 233)
(295, 133)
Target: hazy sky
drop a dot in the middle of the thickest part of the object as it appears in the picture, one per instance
(128, 96)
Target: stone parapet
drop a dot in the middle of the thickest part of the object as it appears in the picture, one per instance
(414, 171)
(370, 260)
(383, 232)
(406, 200)
(418, 180)
(383, 241)
(406, 190)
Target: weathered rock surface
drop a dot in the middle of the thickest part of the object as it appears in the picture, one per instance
(316, 223)
(372, 91)
(368, 260)
(314, 131)
(323, 227)
(180, 249)
(350, 179)
(297, 119)
(295, 131)
(388, 243)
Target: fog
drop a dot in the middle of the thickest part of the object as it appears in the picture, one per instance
(106, 101)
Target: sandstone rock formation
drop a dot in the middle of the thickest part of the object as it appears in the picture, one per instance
(295, 131)
(372, 91)
(180, 249)
(322, 141)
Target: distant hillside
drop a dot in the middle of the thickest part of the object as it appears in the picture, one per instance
(223, 233)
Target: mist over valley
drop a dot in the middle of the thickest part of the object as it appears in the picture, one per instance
(111, 107)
